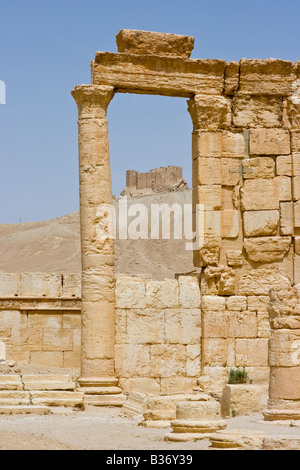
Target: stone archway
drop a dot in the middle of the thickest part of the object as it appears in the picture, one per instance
(245, 143)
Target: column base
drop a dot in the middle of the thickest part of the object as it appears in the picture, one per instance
(101, 391)
(281, 414)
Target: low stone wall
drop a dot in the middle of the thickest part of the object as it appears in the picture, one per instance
(166, 334)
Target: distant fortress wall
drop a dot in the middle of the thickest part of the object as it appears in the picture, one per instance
(156, 178)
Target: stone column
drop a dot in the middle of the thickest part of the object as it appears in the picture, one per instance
(97, 246)
(284, 355)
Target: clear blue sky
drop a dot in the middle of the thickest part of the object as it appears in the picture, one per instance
(45, 49)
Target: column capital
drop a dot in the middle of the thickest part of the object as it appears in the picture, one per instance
(209, 112)
(92, 100)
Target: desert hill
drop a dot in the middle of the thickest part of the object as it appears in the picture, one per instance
(54, 245)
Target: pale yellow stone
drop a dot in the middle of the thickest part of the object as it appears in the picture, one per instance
(274, 190)
(234, 258)
(132, 360)
(230, 223)
(209, 170)
(210, 196)
(178, 384)
(243, 399)
(284, 347)
(230, 171)
(149, 42)
(286, 218)
(252, 352)
(57, 340)
(71, 285)
(183, 326)
(260, 223)
(284, 165)
(297, 214)
(210, 112)
(213, 303)
(269, 142)
(9, 284)
(256, 111)
(167, 360)
(296, 188)
(236, 303)
(47, 358)
(258, 167)
(242, 324)
(221, 144)
(267, 249)
(296, 164)
(214, 352)
(214, 324)
(162, 294)
(130, 292)
(40, 285)
(189, 291)
(231, 78)
(145, 326)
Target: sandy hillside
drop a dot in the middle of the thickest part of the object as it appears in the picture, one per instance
(54, 245)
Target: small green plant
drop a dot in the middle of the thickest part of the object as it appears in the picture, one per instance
(234, 413)
(291, 424)
(237, 376)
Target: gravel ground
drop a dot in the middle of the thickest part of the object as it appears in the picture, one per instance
(105, 429)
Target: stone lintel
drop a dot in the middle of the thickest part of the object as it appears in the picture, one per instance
(154, 74)
(149, 42)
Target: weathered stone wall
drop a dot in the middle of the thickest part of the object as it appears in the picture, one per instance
(156, 179)
(167, 335)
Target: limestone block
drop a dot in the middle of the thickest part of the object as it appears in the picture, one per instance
(286, 218)
(234, 258)
(145, 326)
(209, 170)
(242, 399)
(189, 291)
(44, 320)
(242, 324)
(57, 340)
(213, 303)
(140, 384)
(167, 360)
(120, 325)
(132, 360)
(221, 144)
(263, 325)
(178, 384)
(267, 249)
(10, 319)
(214, 352)
(285, 383)
(9, 284)
(284, 188)
(296, 164)
(252, 191)
(231, 78)
(260, 223)
(258, 303)
(291, 111)
(267, 77)
(162, 294)
(40, 285)
(218, 280)
(230, 171)
(183, 326)
(258, 167)
(269, 142)
(214, 324)
(209, 253)
(237, 440)
(296, 188)
(71, 320)
(198, 410)
(130, 292)
(297, 214)
(47, 358)
(212, 223)
(71, 285)
(170, 76)
(148, 42)
(30, 338)
(295, 141)
(210, 196)
(284, 349)
(281, 443)
(257, 111)
(230, 223)
(236, 303)
(284, 165)
(210, 112)
(252, 352)
(193, 360)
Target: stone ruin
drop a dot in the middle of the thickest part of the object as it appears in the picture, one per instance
(158, 180)
(151, 339)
